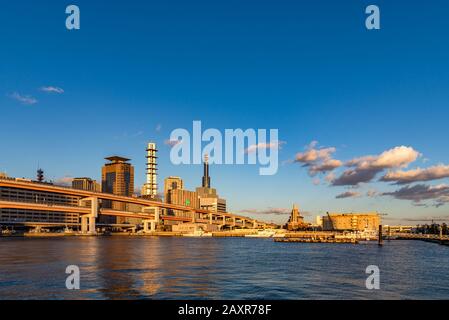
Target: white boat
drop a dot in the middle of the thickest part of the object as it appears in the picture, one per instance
(262, 234)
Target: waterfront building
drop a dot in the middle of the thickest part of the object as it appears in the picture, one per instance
(209, 199)
(29, 204)
(351, 221)
(296, 221)
(172, 183)
(150, 187)
(117, 177)
(87, 184)
(184, 198)
(19, 216)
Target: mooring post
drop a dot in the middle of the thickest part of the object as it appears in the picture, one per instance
(380, 236)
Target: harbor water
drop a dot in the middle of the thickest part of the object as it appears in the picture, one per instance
(219, 268)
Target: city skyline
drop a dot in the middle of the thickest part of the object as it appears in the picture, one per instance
(373, 105)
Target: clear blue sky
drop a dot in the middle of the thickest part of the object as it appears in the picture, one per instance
(136, 70)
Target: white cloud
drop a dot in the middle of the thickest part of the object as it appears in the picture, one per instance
(318, 160)
(51, 89)
(397, 157)
(403, 177)
(365, 169)
(28, 100)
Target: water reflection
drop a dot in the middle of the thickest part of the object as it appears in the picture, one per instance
(218, 268)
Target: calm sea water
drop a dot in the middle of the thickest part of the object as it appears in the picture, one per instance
(219, 268)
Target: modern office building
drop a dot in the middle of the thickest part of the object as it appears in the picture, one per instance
(87, 184)
(209, 199)
(150, 187)
(172, 183)
(184, 198)
(351, 221)
(117, 177)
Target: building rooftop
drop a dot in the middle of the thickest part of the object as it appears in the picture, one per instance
(117, 159)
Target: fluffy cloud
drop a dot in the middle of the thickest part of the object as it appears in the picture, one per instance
(364, 169)
(422, 192)
(318, 160)
(51, 89)
(398, 157)
(348, 194)
(28, 100)
(325, 166)
(410, 176)
(354, 177)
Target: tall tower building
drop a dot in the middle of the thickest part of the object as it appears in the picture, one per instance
(150, 187)
(209, 199)
(206, 178)
(117, 177)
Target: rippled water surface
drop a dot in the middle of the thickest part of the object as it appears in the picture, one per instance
(219, 268)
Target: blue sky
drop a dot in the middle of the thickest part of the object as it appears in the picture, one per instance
(136, 70)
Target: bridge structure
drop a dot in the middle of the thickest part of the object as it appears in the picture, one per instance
(88, 208)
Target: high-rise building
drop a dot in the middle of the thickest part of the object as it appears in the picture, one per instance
(172, 183)
(209, 199)
(86, 184)
(117, 177)
(150, 187)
